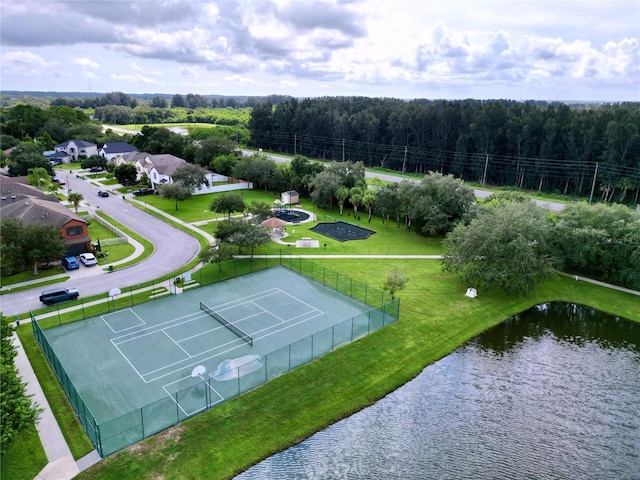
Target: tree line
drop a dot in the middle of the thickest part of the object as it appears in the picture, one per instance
(528, 145)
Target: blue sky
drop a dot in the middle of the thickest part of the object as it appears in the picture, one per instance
(515, 49)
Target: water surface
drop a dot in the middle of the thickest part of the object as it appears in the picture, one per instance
(553, 393)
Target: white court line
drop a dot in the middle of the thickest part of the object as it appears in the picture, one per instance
(248, 298)
(188, 318)
(128, 328)
(156, 327)
(177, 344)
(172, 396)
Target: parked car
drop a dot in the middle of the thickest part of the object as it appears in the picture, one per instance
(59, 181)
(95, 169)
(58, 294)
(70, 263)
(103, 193)
(144, 191)
(88, 259)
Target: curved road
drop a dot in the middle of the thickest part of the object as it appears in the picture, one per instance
(173, 249)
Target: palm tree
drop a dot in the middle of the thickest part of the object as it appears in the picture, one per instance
(38, 174)
(75, 198)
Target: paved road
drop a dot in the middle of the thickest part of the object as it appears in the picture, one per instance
(173, 249)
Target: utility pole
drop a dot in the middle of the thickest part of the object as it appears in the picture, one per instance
(295, 144)
(404, 161)
(484, 175)
(593, 185)
(343, 149)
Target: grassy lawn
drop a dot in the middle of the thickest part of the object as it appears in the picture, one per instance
(29, 276)
(436, 318)
(18, 466)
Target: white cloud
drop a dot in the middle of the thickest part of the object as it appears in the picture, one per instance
(240, 80)
(401, 48)
(85, 62)
(25, 63)
(135, 78)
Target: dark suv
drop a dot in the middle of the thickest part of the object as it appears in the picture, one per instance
(143, 191)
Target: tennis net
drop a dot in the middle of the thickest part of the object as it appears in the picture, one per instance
(244, 336)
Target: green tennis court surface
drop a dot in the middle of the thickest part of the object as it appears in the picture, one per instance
(142, 369)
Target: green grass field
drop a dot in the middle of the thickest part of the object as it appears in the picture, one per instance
(436, 318)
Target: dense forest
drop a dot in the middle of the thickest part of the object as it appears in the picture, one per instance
(530, 145)
(587, 151)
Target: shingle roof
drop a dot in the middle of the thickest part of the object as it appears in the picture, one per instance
(118, 147)
(79, 143)
(133, 157)
(38, 211)
(18, 187)
(166, 164)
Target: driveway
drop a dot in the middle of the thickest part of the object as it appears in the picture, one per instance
(173, 249)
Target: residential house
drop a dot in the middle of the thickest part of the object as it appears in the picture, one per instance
(31, 206)
(111, 150)
(76, 149)
(158, 168)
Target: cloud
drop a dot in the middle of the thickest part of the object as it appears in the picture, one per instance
(85, 62)
(25, 63)
(127, 77)
(333, 44)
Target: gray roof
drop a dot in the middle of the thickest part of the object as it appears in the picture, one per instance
(79, 143)
(38, 211)
(118, 147)
(18, 187)
(133, 157)
(166, 164)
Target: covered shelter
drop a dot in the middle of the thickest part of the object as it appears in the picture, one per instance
(275, 224)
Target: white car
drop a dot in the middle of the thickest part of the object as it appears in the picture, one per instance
(88, 259)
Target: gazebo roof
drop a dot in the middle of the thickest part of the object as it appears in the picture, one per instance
(273, 222)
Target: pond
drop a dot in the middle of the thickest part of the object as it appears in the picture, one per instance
(551, 393)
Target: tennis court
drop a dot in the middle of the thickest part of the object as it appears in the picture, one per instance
(142, 369)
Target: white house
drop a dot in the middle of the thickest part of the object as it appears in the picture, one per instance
(111, 150)
(158, 168)
(74, 149)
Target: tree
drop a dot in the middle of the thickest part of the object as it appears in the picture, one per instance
(251, 236)
(126, 174)
(324, 187)
(210, 148)
(27, 155)
(227, 203)
(217, 253)
(22, 245)
(175, 191)
(355, 197)
(38, 177)
(342, 194)
(191, 176)
(394, 282)
(17, 411)
(505, 247)
(94, 161)
(369, 201)
(75, 198)
(388, 203)
(242, 234)
(223, 164)
(259, 209)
